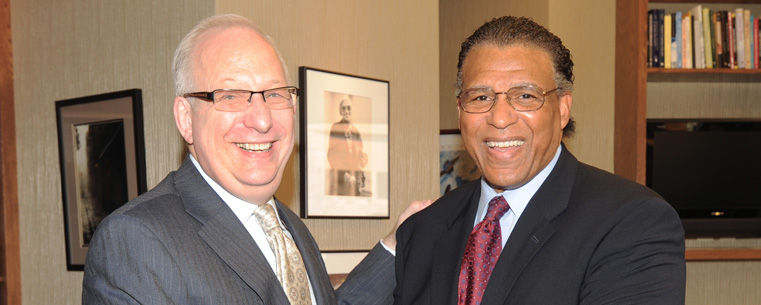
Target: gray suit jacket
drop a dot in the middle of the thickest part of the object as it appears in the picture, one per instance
(180, 243)
(586, 237)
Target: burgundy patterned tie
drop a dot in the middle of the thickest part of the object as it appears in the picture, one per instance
(481, 254)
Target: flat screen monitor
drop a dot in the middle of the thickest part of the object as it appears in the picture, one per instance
(710, 172)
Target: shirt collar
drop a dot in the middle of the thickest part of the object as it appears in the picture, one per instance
(517, 198)
(242, 209)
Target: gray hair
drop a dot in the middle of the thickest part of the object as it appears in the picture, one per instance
(182, 64)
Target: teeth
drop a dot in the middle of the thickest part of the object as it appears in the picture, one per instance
(493, 144)
(254, 147)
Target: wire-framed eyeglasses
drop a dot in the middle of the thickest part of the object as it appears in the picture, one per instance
(481, 100)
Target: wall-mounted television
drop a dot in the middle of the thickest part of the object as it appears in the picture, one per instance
(710, 172)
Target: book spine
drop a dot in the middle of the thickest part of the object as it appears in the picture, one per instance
(650, 38)
(739, 39)
(746, 37)
(698, 51)
(718, 43)
(731, 40)
(756, 44)
(678, 38)
(667, 41)
(687, 43)
(707, 38)
(659, 38)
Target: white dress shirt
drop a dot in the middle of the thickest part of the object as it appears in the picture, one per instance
(244, 211)
(517, 199)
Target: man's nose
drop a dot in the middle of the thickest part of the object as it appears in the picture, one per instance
(257, 114)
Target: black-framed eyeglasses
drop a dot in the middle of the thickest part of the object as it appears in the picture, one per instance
(480, 100)
(237, 99)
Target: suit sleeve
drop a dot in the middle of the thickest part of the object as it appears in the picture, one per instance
(371, 282)
(127, 264)
(641, 259)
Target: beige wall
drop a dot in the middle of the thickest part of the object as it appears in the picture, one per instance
(74, 48)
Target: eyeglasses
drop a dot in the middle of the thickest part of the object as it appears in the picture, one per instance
(236, 100)
(480, 100)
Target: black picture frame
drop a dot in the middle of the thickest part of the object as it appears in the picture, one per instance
(344, 162)
(102, 159)
(456, 167)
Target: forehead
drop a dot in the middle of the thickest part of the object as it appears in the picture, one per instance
(507, 66)
(236, 53)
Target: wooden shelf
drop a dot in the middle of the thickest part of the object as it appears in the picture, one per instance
(703, 71)
(722, 254)
(708, 1)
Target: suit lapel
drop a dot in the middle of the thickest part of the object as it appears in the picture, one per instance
(321, 286)
(226, 236)
(449, 248)
(533, 229)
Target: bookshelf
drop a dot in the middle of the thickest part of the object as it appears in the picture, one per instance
(673, 93)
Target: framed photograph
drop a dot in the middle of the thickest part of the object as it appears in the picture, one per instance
(457, 168)
(344, 145)
(340, 263)
(101, 150)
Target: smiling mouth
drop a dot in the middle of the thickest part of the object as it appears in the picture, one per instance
(262, 147)
(493, 144)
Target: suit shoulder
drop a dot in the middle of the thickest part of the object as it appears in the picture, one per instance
(161, 201)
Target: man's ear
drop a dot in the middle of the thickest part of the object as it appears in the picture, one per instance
(565, 103)
(183, 118)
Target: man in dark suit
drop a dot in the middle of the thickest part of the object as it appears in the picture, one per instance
(212, 232)
(539, 227)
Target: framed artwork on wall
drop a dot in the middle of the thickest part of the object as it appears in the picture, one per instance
(456, 166)
(102, 159)
(344, 145)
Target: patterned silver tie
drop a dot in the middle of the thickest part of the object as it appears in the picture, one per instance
(290, 267)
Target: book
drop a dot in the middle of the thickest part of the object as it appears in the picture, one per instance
(660, 47)
(739, 39)
(712, 33)
(746, 37)
(678, 38)
(730, 18)
(697, 37)
(667, 41)
(687, 41)
(650, 28)
(718, 43)
(707, 49)
(756, 43)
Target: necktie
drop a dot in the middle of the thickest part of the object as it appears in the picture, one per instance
(290, 267)
(481, 254)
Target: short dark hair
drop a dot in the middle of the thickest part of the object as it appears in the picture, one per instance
(510, 31)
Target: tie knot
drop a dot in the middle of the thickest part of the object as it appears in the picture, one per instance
(265, 215)
(497, 207)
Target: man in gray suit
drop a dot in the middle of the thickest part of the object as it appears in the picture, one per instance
(193, 239)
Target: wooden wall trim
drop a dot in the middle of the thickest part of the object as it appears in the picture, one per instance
(715, 254)
(10, 260)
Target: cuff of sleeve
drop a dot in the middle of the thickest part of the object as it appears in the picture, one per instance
(392, 251)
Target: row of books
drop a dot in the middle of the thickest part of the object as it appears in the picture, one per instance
(703, 39)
